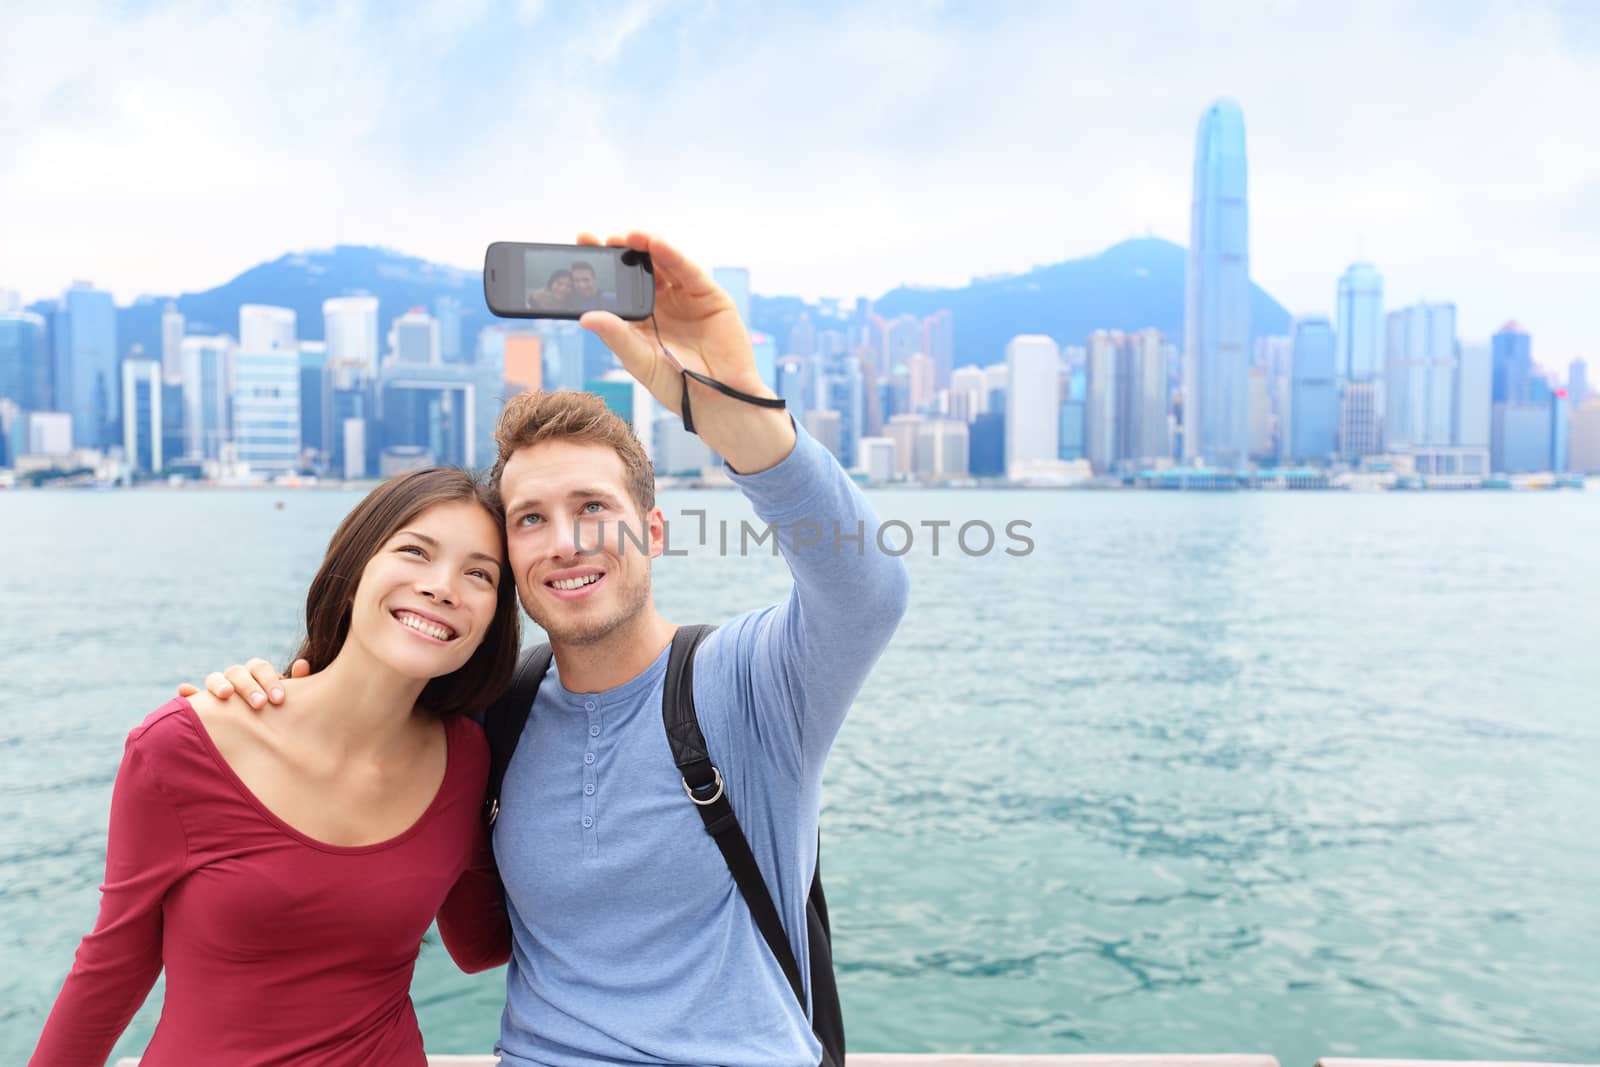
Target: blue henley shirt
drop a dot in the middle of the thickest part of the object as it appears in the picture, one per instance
(632, 944)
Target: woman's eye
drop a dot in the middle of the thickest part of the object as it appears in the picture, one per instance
(410, 548)
(528, 519)
(482, 574)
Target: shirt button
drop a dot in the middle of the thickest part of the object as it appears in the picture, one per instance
(587, 822)
(588, 790)
(594, 731)
(589, 704)
(588, 757)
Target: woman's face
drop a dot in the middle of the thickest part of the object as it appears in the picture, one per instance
(427, 597)
(561, 287)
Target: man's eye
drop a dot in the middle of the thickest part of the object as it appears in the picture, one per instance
(528, 519)
(594, 504)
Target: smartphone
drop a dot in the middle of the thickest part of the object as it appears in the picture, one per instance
(539, 281)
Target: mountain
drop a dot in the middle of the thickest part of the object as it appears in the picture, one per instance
(1127, 287)
(302, 281)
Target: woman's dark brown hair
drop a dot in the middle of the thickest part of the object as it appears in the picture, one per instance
(382, 514)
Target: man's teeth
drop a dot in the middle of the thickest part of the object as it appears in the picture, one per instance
(576, 583)
(423, 626)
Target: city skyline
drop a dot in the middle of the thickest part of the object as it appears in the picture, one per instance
(399, 132)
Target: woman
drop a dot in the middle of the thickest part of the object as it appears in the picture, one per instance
(555, 296)
(283, 865)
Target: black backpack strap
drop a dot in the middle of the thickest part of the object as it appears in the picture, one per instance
(703, 782)
(504, 720)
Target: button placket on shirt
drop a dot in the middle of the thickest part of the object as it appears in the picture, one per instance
(590, 780)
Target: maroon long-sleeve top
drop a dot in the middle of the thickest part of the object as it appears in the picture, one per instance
(278, 948)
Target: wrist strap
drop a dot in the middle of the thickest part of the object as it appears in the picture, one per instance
(688, 419)
(759, 401)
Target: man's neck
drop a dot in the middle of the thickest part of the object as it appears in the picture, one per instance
(615, 660)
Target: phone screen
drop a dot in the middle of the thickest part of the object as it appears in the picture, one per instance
(563, 281)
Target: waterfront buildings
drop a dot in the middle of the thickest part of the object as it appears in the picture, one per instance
(266, 410)
(1360, 324)
(1314, 392)
(1032, 401)
(265, 328)
(25, 360)
(1100, 400)
(142, 425)
(206, 372)
(85, 380)
(1217, 301)
(350, 328)
(1419, 376)
(172, 324)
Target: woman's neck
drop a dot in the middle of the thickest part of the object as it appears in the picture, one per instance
(355, 705)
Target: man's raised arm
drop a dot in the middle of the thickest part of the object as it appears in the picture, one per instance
(817, 646)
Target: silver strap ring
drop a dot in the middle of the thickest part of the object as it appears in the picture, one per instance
(716, 776)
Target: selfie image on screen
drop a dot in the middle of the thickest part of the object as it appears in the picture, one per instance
(558, 280)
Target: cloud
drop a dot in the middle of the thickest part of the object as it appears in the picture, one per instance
(835, 149)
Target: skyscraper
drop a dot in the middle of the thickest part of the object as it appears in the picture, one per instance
(1217, 304)
(414, 338)
(1577, 383)
(1360, 323)
(86, 383)
(207, 369)
(266, 410)
(1142, 399)
(920, 381)
(1419, 376)
(141, 415)
(968, 398)
(1513, 364)
(1314, 391)
(1033, 410)
(939, 342)
(264, 328)
(350, 326)
(24, 360)
(1520, 428)
(172, 343)
(1474, 403)
(1100, 411)
(314, 407)
(447, 310)
(902, 335)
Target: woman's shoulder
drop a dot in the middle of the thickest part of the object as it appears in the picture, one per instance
(468, 744)
(169, 743)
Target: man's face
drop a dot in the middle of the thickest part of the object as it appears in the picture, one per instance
(583, 282)
(563, 496)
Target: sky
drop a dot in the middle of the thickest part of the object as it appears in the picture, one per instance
(834, 148)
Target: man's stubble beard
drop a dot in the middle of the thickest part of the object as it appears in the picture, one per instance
(634, 598)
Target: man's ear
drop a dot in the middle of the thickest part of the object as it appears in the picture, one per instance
(657, 524)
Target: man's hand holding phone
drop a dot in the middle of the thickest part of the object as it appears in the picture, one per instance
(696, 326)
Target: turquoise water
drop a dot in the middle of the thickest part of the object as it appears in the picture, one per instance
(1297, 774)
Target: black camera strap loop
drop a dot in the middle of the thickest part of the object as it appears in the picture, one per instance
(688, 419)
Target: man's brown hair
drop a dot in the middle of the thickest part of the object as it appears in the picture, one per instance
(583, 418)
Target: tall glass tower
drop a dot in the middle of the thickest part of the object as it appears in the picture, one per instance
(1217, 310)
(1360, 323)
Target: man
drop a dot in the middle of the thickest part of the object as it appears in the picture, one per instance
(586, 294)
(632, 943)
